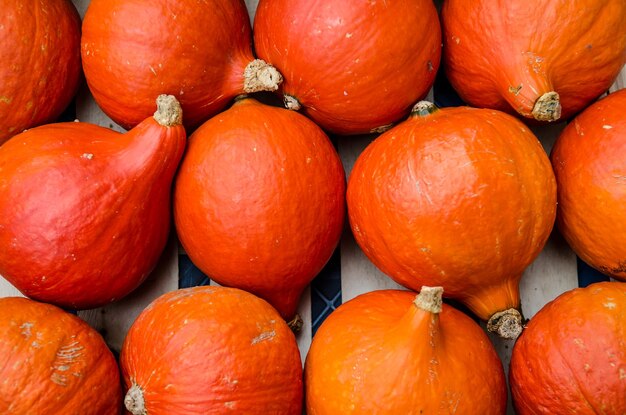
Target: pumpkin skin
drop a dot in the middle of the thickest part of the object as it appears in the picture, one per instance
(52, 362)
(589, 161)
(506, 55)
(201, 53)
(571, 358)
(84, 210)
(459, 197)
(259, 201)
(41, 70)
(211, 350)
(382, 353)
(354, 66)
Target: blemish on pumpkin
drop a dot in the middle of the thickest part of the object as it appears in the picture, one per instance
(348, 35)
(153, 70)
(515, 90)
(579, 130)
(579, 342)
(58, 379)
(6, 100)
(456, 39)
(622, 373)
(429, 66)
(267, 335)
(229, 405)
(26, 329)
(587, 367)
(87, 156)
(609, 305)
(607, 127)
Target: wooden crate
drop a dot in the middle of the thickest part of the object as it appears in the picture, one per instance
(555, 270)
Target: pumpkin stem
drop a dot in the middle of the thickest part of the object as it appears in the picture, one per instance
(296, 324)
(134, 401)
(260, 76)
(169, 112)
(507, 324)
(547, 107)
(291, 103)
(423, 109)
(430, 299)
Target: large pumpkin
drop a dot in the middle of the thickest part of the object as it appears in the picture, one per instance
(40, 56)
(571, 358)
(211, 350)
(52, 363)
(200, 52)
(589, 160)
(543, 59)
(388, 352)
(459, 197)
(353, 66)
(84, 210)
(259, 201)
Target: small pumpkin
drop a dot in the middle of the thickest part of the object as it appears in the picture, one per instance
(459, 197)
(259, 201)
(589, 161)
(85, 210)
(200, 52)
(353, 66)
(388, 352)
(545, 60)
(52, 362)
(211, 350)
(40, 57)
(571, 357)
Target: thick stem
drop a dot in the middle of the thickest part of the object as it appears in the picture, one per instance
(169, 112)
(423, 109)
(134, 401)
(430, 299)
(507, 324)
(547, 107)
(291, 103)
(260, 76)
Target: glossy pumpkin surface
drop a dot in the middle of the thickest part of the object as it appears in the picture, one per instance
(507, 55)
(589, 160)
(211, 350)
(259, 201)
(52, 362)
(135, 50)
(571, 358)
(459, 197)
(40, 57)
(84, 210)
(382, 353)
(352, 65)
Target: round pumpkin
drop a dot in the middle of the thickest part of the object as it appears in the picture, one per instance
(589, 161)
(571, 357)
(40, 57)
(459, 197)
(52, 362)
(353, 66)
(211, 350)
(543, 59)
(200, 52)
(388, 352)
(84, 210)
(259, 201)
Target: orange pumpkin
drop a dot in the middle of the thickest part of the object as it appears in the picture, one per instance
(200, 52)
(543, 59)
(571, 358)
(459, 197)
(259, 201)
(387, 352)
(52, 362)
(211, 350)
(40, 57)
(84, 210)
(589, 160)
(352, 65)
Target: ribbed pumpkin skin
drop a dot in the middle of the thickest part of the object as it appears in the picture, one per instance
(259, 201)
(135, 50)
(52, 362)
(41, 62)
(571, 358)
(84, 210)
(353, 65)
(379, 354)
(213, 350)
(506, 54)
(589, 160)
(462, 198)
